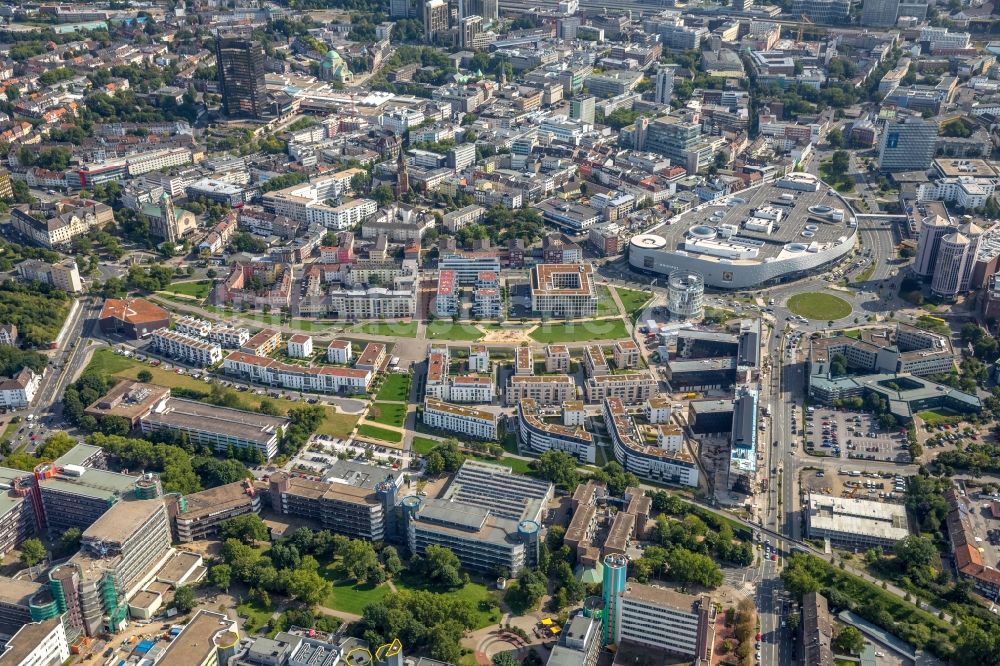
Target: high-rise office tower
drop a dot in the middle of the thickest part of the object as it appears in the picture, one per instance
(974, 233)
(403, 9)
(664, 85)
(435, 19)
(932, 229)
(742, 5)
(952, 256)
(488, 9)
(583, 109)
(907, 144)
(471, 27)
(879, 13)
(240, 65)
(615, 577)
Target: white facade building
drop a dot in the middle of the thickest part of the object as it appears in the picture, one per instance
(300, 346)
(477, 423)
(195, 351)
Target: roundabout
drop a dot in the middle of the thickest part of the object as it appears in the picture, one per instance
(819, 306)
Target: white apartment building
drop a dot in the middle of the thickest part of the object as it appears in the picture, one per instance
(37, 644)
(156, 160)
(229, 337)
(626, 354)
(469, 389)
(658, 409)
(556, 358)
(300, 346)
(268, 371)
(479, 358)
(632, 388)
(193, 326)
(400, 119)
(546, 390)
(966, 191)
(18, 391)
(477, 423)
(339, 351)
(197, 352)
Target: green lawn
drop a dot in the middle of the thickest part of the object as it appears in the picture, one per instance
(601, 329)
(336, 424)
(388, 413)
(423, 446)
(395, 388)
(397, 328)
(933, 417)
(449, 330)
(196, 289)
(256, 616)
(516, 464)
(633, 300)
(350, 598)
(475, 593)
(374, 432)
(819, 306)
(606, 306)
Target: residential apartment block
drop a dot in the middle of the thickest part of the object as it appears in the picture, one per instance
(187, 348)
(546, 390)
(478, 423)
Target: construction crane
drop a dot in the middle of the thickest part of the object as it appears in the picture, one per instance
(803, 20)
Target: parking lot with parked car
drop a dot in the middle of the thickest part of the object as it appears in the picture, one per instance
(854, 435)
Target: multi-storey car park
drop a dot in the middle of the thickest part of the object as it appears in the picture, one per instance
(772, 233)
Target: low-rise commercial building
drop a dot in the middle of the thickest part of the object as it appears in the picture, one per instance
(221, 428)
(132, 317)
(209, 639)
(855, 523)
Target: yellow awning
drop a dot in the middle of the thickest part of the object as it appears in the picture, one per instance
(547, 621)
(555, 630)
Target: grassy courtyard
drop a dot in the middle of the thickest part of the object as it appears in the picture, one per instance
(442, 329)
(402, 329)
(819, 306)
(374, 432)
(423, 445)
(388, 413)
(395, 387)
(600, 329)
(633, 300)
(198, 289)
(349, 597)
(936, 417)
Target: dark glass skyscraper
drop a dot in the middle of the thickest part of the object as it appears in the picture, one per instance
(240, 65)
